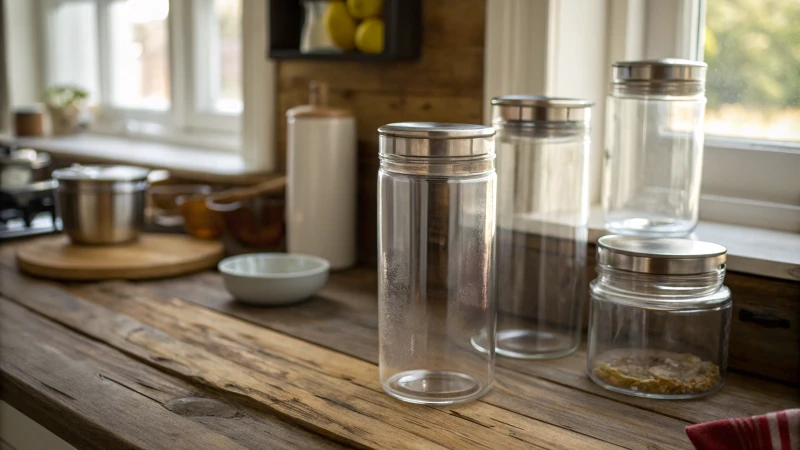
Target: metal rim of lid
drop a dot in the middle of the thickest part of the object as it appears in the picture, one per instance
(659, 71)
(541, 101)
(540, 110)
(662, 256)
(436, 130)
(101, 173)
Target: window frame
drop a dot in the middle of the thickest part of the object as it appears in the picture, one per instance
(555, 58)
(183, 118)
(678, 27)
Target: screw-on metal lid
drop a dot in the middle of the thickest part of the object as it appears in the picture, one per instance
(535, 108)
(668, 256)
(661, 76)
(432, 139)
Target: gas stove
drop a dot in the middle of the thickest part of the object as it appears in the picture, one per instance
(28, 210)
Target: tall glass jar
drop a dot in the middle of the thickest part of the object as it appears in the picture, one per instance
(660, 317)
(654, 147)
(542, 214)
(436, 206)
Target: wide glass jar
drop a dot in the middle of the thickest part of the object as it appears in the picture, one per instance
(660, 317)
(436, 207)
(542, 165)
(654, 147)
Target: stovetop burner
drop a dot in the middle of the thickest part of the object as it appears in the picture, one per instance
(28, 210)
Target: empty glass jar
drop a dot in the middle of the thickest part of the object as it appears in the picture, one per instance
(436, 194)
(660, 317)
(542, 214)
(654, 147)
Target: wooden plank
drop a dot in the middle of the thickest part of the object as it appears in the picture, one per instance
(532, 398)
(242, 424)
(529, 397)
(346, 311)
(67, 391)
(313, 397)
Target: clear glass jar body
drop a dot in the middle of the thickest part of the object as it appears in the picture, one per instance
(436, 280)
(542, 216)
(653, 163)
(659, 336)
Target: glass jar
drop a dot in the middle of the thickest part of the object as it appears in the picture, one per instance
(654, 147)
(542, 216)
(660, 317)
(436, 206)
(314, 37)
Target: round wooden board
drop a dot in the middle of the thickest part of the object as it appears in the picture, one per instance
(152, 256)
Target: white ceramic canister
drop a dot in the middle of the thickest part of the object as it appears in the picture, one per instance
(321, 188)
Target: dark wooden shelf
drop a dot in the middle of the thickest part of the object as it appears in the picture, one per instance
(290, 53)
(402, 27)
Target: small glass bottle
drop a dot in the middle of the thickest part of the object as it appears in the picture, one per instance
(542, 215)
(436, 206)
(314, 38)
(660, 317)
(654, 147)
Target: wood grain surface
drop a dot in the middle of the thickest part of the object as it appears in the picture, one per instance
(96, 397)
(143, 363)
(151, 256)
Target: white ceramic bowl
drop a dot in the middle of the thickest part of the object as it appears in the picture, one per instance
(273, 278)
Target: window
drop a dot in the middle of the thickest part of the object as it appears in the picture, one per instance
(151, 66)
(752, 145)
(752, 48)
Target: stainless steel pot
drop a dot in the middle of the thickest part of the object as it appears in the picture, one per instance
(101, 204)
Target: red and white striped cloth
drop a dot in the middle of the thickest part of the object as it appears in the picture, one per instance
(773, 431)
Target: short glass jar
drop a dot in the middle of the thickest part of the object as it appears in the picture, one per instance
(660, 317)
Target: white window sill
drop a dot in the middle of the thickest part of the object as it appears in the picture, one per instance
(215, 141)
(182, 160)
(756, 251)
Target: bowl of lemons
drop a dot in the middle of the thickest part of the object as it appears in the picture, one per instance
(355, 25)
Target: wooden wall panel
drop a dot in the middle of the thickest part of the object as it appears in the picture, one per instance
(445, 84)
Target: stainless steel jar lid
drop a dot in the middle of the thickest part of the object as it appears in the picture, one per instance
(661, 76)
(432, 139)
(535, 108)
(667, 256)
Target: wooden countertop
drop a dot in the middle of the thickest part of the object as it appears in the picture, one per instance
(176, 364)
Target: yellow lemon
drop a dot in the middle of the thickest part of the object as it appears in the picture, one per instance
(364, 9)
(340, 26)
(369, 36)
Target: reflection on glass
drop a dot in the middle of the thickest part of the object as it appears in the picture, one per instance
(752, 48)
(139, 54)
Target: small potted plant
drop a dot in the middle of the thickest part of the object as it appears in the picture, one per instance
(68, 108)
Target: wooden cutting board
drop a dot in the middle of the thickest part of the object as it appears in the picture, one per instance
(152, 256)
